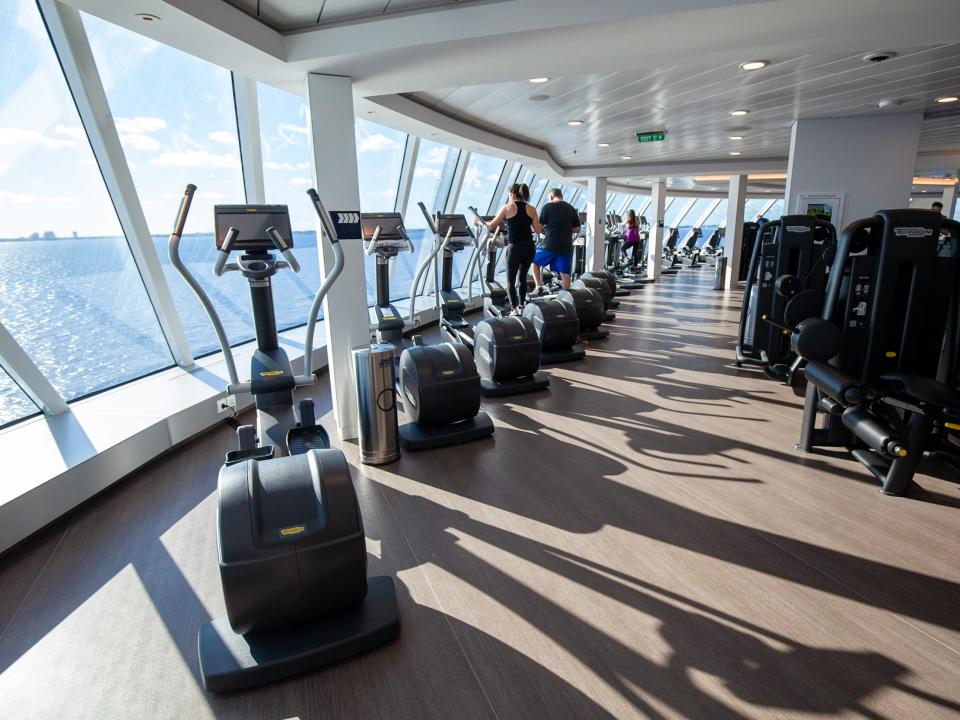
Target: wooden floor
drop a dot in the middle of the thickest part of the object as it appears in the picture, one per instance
(640, 541)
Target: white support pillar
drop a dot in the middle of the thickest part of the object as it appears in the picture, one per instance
(80, 70)
(949, 200)
(28, 376)
(733, 242)
(333, 149)
(658, 203)
(458, 177)
(869, 161)
(596, 223)
(406, 174)
(248, 130)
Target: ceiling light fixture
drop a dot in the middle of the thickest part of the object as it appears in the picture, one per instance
(751, 176)
(603, 145)
(147, 17)
(739, 113)
(575, 123)
(735, 152)
(754, 65)
(626, 157)
(943, 182)
(948, 99)
(538, 80)
(736, 137)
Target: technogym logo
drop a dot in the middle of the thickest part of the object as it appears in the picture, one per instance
(798, 228)
(912, 232)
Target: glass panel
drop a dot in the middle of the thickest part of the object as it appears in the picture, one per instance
(671, 214)
(717, 217)
(72, 296)
(613, 201)
(286, 176)
(14, 403)
(177, 125)
(538, 191)
(776, 210)
(479, 182)
(426, 180)
(751, 209)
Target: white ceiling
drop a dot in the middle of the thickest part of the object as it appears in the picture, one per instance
(287, 15)
(458, 71)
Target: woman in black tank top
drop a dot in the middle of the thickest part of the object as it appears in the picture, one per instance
(521, 221)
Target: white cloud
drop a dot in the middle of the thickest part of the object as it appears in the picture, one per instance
(25, 139)
(135, 141)
(299, 181)
(139, 124)
(25, 199)
(74, 132)
(435, 156)
(375, 143)
(427, 172)
(273, 165)
(222, 136)
(289, 132)
(196, 158)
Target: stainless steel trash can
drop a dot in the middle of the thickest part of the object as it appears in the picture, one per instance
(720, 273)
(376, 403)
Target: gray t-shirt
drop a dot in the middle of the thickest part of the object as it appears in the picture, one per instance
(559, 219)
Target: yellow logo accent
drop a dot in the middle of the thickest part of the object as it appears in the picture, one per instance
(951, 426)
(447, 372)
(901, 452)
(890, 354)
(389, 317)
(295, 530)
(271, 373)
(516, 337)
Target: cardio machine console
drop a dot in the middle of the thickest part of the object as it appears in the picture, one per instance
(251, 222)
(460, 234)
(393, 235)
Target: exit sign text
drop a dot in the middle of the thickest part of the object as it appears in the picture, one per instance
(655, 136)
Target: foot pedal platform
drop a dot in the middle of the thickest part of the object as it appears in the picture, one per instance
(502, 388)
(229, 661)
(302, 439)
(414, 437)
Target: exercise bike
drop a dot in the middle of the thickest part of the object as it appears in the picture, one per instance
(293, 559)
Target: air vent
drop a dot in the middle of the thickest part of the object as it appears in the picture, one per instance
(539, 97)
(879, 56)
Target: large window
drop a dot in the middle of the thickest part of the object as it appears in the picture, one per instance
(752, 208)
(72, 295)
(479, 182)
(718, 216)
(673, 212)
(14, 403)
(776, 210)
(426, 180)
(177, 123)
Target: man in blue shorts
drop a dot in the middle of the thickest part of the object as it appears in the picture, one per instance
(561, 223)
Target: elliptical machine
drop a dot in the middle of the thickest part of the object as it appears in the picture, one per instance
(293, 561)
(385, 236)
(505, 349)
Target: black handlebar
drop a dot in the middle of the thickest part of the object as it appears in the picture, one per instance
(184, 210)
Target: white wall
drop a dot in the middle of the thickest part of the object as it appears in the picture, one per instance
(869, 159)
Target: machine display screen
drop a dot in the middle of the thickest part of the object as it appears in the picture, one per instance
(252, 222)
(583, 218)
(457, 222)
(390, 224)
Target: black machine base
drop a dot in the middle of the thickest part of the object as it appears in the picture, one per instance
(532, 383)
(592, 335)
(229, 661)
(414, 437)
(623, 289)
(576, 352)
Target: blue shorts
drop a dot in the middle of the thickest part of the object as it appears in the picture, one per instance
(558, 262)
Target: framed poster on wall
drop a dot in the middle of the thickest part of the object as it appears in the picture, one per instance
(828, 206)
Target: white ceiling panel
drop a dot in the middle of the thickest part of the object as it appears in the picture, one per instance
(285, 15)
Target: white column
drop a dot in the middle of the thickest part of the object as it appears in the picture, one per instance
(248, 129)
(406, 175)
(870, 161)
(333, 150)
(80, 70)
(733, 242)
(949, 200)
(658, 203)
(596, 223)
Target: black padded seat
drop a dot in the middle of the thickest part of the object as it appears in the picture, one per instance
(923, 390)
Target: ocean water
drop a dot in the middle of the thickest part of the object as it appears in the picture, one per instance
(79, 309)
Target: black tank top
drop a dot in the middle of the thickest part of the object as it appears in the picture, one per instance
(520, 226)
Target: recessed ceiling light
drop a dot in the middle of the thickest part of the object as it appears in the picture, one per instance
(734, 152)
(754, 65)
(147, 17)
(947, 99)
(369, 112)
(603, 145)
(539, 97)
(739, 113)
(736, 137)
(575, 123)
(539, 80)
(626, 157)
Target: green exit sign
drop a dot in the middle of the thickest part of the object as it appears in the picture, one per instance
(655, 136)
